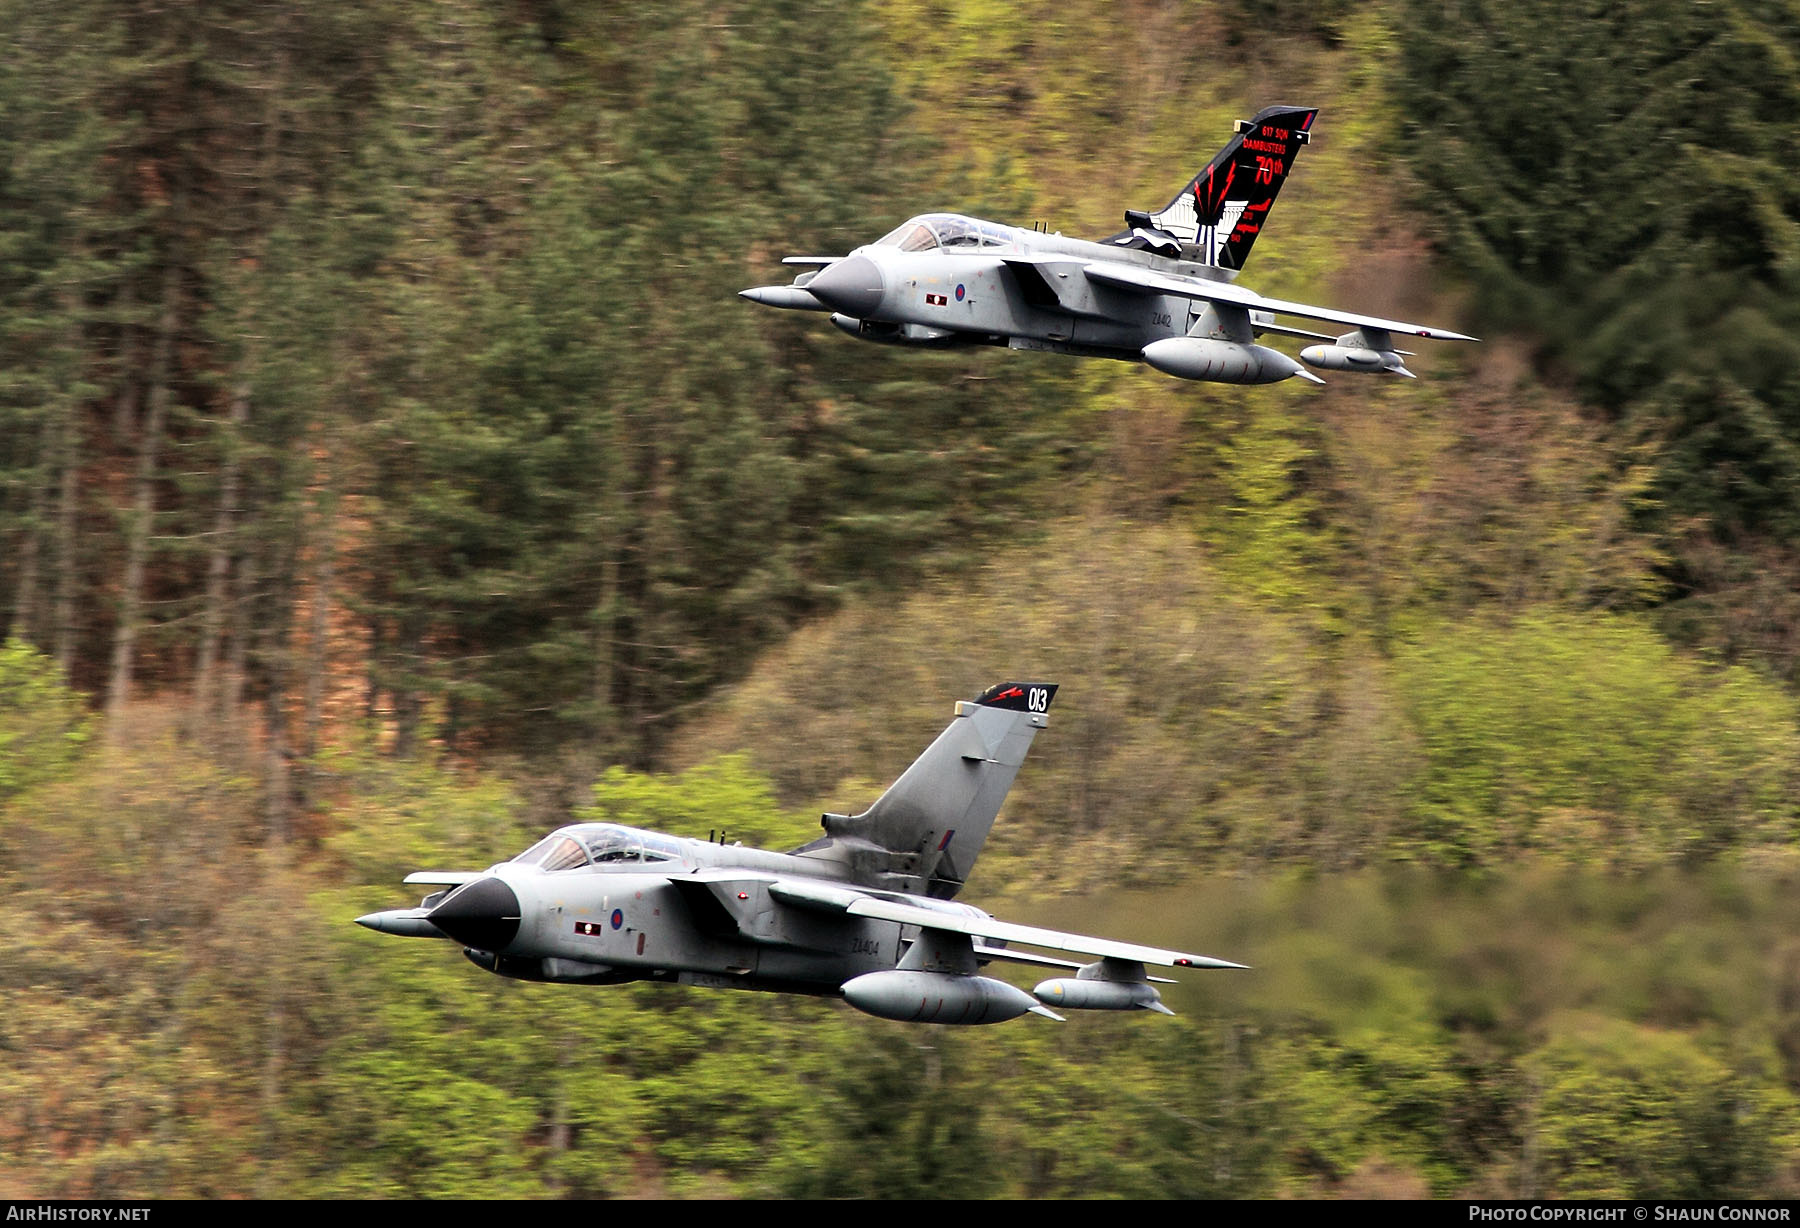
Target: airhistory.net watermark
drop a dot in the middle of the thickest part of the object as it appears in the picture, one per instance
(64, 1213)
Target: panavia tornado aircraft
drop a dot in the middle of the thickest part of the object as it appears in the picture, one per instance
(1163, 290)
(866, 912)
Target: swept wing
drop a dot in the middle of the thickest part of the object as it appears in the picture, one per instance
(961, 919)
(1031, 935)
(1146, 281)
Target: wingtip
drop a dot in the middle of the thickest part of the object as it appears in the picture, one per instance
(1209, 963)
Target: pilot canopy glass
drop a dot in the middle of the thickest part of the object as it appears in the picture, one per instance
(598, 844)
(944, 230)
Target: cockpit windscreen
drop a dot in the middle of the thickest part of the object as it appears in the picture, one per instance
(944, 230)
(598, 844)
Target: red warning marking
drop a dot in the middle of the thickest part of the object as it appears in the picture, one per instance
(1209, 205)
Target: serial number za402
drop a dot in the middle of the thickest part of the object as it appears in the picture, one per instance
(1161, 318)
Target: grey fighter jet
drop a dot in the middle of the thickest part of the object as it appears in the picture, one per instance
(866, 912)
(1162, 291)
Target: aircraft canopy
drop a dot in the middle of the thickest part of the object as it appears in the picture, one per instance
(952, 230)
(598, 844)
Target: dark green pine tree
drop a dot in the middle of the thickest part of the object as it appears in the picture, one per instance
(64, 252)
(1619, 178)
(599, 481)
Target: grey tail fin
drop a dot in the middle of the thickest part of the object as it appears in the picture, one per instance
(1223, 208)
(924, 834)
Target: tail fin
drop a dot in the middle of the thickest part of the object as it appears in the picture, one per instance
(925, 832)
(1224, 207)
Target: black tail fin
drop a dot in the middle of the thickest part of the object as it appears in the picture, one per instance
(1224, 207)
(924, 833)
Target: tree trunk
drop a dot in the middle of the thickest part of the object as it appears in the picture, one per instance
(218, 567)
(125, 405)
(606, 638)
(243, 600)
(66, 561)
(26, 618)
(408, 704)
(278, 802)
(318, 660)
(143, 500)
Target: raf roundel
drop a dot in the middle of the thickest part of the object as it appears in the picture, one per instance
(960, 292)
(618, 917)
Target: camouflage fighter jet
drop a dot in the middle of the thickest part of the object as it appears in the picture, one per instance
(866, 912)
(1162, 291)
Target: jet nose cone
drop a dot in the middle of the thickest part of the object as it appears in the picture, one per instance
(853, 286)
(484, 915)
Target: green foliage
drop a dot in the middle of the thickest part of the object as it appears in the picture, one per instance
(1192, 712)
(1626, 1112)
(1593, 734)
(593, 496)
(1617, 179)
(1393, 1039)
(1354, 1095)
(1265, 537)
(467, 272)
(43, 724)
(723, 794)
(393, 816)
(1178, 696)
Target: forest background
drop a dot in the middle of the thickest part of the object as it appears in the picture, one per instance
(391, 474)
